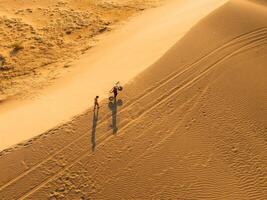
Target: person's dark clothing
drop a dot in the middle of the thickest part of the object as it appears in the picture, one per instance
(115, 92)
(96, 103)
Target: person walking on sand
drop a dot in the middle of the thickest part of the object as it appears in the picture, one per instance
(115, 91)
(96, 103)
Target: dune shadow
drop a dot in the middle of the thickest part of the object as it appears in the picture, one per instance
(93, 134)
(113, 106)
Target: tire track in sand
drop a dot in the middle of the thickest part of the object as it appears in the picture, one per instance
(163, 82)
(175, 75)
(252, 44)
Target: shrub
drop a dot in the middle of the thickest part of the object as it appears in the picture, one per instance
(2, 60)
(17, 46)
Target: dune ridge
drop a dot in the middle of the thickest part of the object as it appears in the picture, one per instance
(41, 39)
(191, 126)
(148, 40)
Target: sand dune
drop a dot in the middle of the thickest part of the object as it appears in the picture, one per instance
(145, 39)
(191, 126)
(40, 39)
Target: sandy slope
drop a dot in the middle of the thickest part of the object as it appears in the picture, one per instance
(192, 126)
(40, 38)
(121, 55)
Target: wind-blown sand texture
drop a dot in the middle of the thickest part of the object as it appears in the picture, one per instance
(191, 126)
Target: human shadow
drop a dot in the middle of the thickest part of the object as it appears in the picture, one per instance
(113, 106)
(93, 135)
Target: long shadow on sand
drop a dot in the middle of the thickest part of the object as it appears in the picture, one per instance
(93, 138)
(113, 106)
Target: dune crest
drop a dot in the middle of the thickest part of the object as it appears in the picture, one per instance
(191, 126)
(40, 39)
(122, 55)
